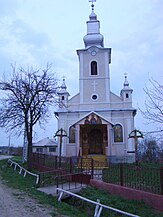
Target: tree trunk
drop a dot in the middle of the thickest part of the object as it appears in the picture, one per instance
(30, 157)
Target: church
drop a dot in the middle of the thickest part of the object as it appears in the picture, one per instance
(96, 120)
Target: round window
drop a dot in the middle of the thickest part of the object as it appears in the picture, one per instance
(94, 97)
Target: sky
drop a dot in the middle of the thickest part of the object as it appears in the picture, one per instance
(37, 32)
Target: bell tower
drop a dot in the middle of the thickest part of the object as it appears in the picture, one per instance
(94, 60)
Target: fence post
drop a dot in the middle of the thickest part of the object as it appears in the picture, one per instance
(70, 164)
(81, 166)
(121, 174)
(92, 168)
(44, 160)
(161, 179)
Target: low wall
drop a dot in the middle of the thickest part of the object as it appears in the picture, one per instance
(153, 200)
(42, 168)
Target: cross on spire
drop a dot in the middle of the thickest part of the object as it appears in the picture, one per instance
(92, 5)
(125, 74)
(64, 77)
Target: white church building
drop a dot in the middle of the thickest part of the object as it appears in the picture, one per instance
(96, 120)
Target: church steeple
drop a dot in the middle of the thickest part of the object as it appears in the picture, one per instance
(126, 92)
(63, 95)
(93, 37)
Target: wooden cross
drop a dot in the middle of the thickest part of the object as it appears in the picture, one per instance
(135, 134)
(60, 133)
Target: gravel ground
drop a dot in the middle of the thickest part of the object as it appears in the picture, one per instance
(14, 203)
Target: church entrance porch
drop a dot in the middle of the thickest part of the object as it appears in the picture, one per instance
(93, 139)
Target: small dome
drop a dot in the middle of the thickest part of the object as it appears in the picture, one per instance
(126, 84)
(63, 88)
(93, 39)
(92, 16)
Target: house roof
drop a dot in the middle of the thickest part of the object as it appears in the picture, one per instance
(45, 142)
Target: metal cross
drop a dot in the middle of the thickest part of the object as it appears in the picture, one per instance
(92, 5)
(125, 74)
(64, 77)
(92, 1)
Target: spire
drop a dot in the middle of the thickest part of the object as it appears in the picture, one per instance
(126, 92)
(126, 83)
(92, 5)
(93, 37)
(63, 95)
(63, 87)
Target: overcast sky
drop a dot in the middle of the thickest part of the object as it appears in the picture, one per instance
(34, 32)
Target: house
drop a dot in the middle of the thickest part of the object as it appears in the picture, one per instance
(45, 146)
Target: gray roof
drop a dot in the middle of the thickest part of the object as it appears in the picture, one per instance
(45, 142)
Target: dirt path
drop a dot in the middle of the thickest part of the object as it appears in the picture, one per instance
(14, 203)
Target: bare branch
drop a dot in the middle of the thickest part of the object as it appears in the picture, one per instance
(28, 95)
(154, 103)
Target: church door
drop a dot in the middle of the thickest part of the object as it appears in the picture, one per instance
(95, 140)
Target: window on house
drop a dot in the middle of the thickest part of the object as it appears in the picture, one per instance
(39, 150)
(127, 96)
(93, 68)
(63, 97)
(52, 149)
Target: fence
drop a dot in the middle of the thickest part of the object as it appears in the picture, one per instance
(86, 165)
(73, 181)
(98, 205)
(23, 170)
(144, 178)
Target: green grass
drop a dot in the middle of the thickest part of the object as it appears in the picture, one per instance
(79, 208)
(131, 206)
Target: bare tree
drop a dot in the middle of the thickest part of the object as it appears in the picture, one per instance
(154, 103)
(27, 97)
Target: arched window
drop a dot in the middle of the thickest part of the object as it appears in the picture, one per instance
(72, 134)
(118, 133)
(93, 68)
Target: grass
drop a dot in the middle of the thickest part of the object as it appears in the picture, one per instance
(79, 208)
(131, 206)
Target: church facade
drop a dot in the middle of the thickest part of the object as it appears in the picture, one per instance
(96, 120)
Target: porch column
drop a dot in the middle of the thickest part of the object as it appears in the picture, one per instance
(78, 140)
(108, 148)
